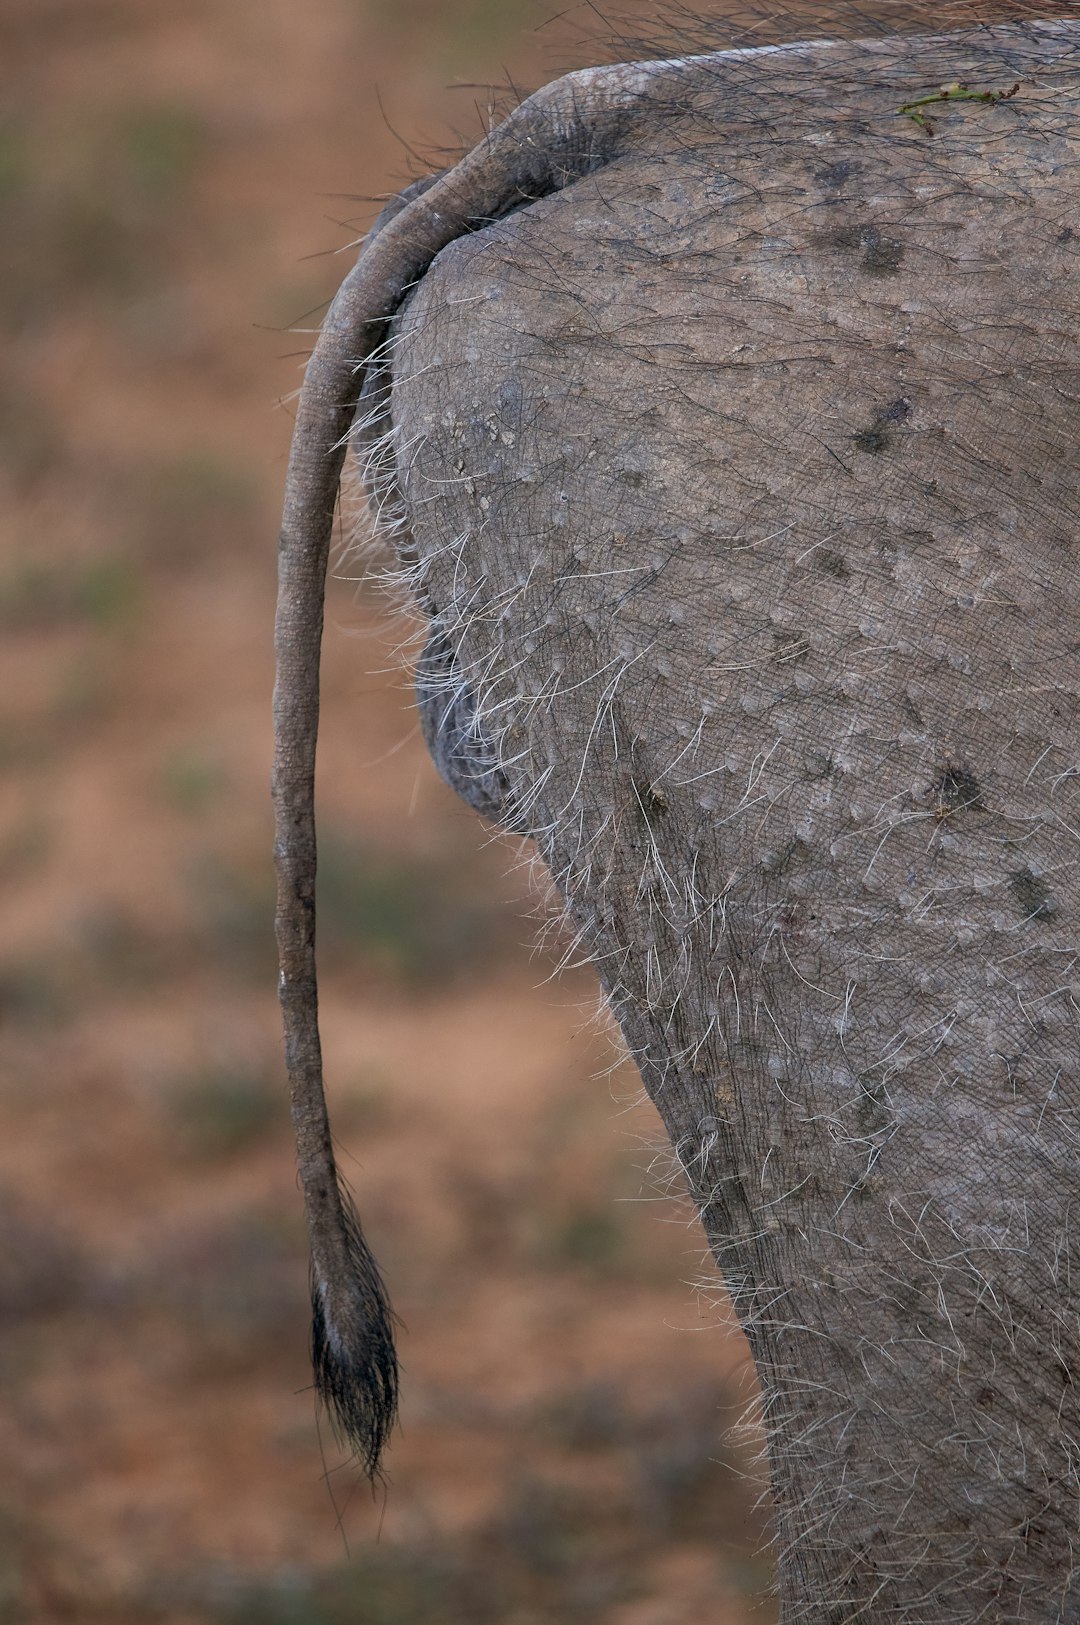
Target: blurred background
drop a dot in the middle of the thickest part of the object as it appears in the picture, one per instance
(180, 181)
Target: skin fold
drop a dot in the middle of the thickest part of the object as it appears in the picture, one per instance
(732, 457)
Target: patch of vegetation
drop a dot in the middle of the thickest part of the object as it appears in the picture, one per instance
(224, 1110)
(543, 1560)
(30, 440)
(90, 212)
(585, 1236)
(85, 690)
(162, 147)
(367, 1101)
(961, 91)
(424, 922)
(14, 162)
(237, 910)
(470, 32)
(294, 304)
(34, 993)
(553, 1554)
(389, 1587)
(39, 594)
(192, 780)
(16, 1544)
(21, 747)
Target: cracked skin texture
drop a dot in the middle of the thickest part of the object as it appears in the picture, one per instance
(743, 473)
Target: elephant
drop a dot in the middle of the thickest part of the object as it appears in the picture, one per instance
(723, 412)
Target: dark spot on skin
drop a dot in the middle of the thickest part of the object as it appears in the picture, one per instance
(1032, 895)
(1015, 1082)
(651, 800)
(985, 1397)
(912, 711)
(886, 551)
(632, 477)
(843, 237)
(1066, 236)
(790, 647)
(833, 176)
(788, 859)
(834, 564)
(956, 790)
(792, 916)
(881, 255)
(874, 439)
(872, 1108)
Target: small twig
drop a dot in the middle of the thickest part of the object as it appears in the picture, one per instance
(961, 91)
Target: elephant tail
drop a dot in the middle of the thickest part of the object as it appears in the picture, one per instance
(569, 129)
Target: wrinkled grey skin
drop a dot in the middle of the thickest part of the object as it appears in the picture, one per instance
(741, 488)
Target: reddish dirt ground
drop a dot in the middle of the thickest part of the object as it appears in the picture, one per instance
(180, 180)
(177, 178)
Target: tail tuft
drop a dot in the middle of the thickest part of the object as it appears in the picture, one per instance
(352, 1350)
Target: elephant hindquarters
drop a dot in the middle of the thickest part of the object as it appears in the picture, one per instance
(756, 526)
